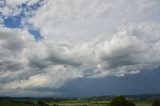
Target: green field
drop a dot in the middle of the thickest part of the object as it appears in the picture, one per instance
(143, 104)
(68, 103)
(92, 104)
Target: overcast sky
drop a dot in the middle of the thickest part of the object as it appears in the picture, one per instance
(79, 47)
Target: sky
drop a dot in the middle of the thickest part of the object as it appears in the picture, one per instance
(79, 48)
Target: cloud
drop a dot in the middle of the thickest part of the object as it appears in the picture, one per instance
(18, 8)
(20, 2)
(64, 13)
(82, 39)
(26, 64)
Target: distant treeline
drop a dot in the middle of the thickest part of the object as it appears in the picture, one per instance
(109, 97)
(136, 97)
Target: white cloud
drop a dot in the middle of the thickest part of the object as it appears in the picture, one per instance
(64, 14)
(26, 64)
(19, 2)
(15, 2)
(15, 8)
(82, 39)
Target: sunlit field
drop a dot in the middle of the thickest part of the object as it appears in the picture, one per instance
(93, 104)
(67, 103)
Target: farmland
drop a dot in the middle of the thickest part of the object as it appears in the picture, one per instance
(138, 100)
(67, 102)
(92, 104)
(7, 103)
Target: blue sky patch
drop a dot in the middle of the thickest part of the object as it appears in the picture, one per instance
(16, 21)
(13, 22)
(36, 34)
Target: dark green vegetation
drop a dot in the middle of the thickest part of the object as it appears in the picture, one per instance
(14, 103)
(41, 103)
(121, 101)
(156, 102)
(92, 101)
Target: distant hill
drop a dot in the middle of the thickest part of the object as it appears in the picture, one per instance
(139, 96)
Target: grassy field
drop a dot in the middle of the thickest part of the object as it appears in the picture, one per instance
(69, 103)
(143, 104)
(92, 104)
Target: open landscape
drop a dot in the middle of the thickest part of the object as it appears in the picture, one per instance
(138, 100)
(79, 52)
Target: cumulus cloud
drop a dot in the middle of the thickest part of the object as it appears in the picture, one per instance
(131, 48)
(82, 39)
(63, 13)
(26, 64)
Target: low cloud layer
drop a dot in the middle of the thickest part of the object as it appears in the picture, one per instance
(81, 40)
